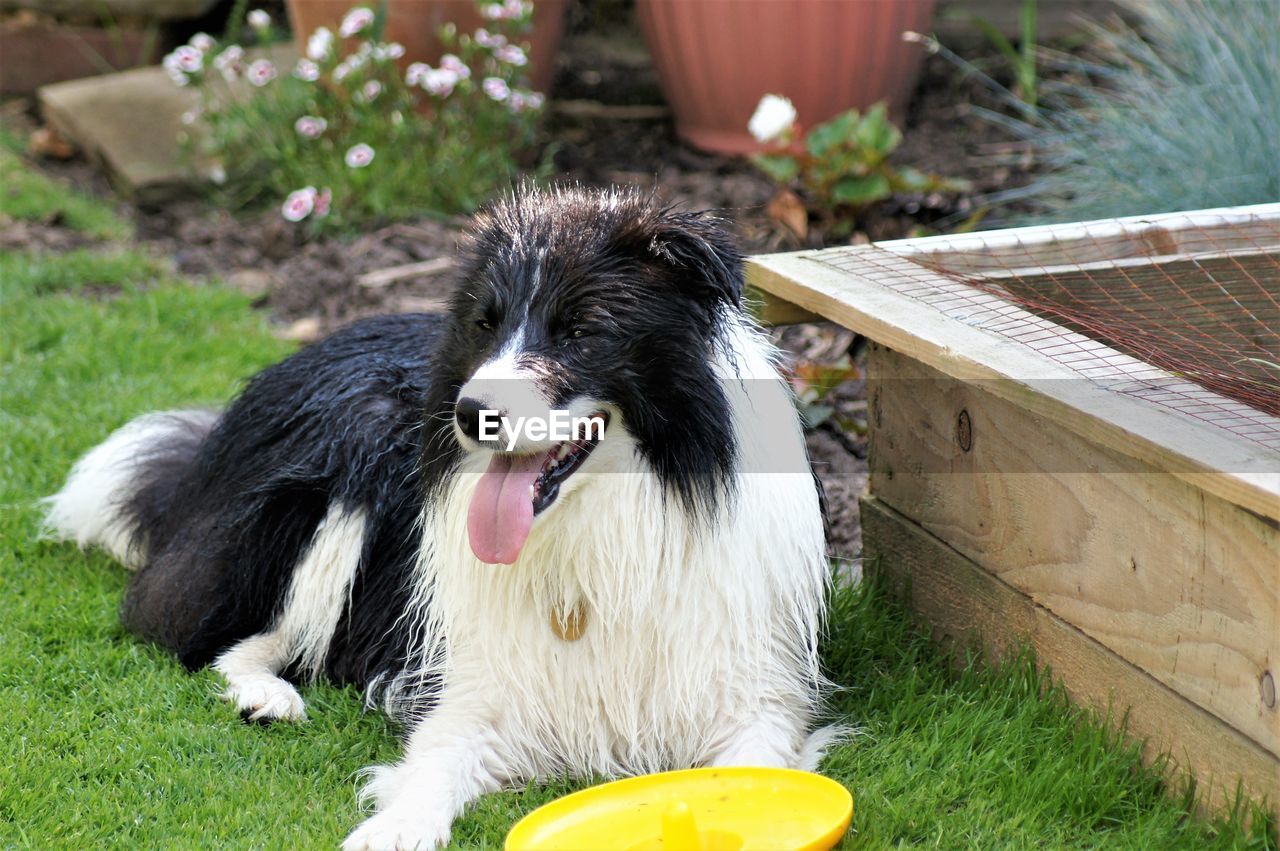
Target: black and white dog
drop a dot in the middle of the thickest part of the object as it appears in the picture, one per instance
(637, 597)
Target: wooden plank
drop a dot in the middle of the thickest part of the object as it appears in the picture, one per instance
(770, 309)
(962, 602)
(1248, 228)
(879, 294)
(1182, 584)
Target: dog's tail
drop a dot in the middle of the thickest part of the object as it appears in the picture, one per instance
(118, 491)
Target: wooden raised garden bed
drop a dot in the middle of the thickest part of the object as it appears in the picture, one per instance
(1035, 479)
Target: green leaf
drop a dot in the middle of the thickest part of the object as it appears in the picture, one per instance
(779, 167)
(876, 132)
(831, 135)
(910, 179)
(861, 190)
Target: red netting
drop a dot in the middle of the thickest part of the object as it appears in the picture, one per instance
(1182, 310)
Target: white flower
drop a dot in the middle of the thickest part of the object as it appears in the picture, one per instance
(395, 50)
(355, 21)
(511, 54)
(228, 58)
(306, 70)
(218, 174)
(371, 91)
(299, 204)
(508, 11)
(358, 156)
(170, 65)
(440, 82)
(202, 42)
(493, 41)
(259, 20)
(310, 126)
(773, 117)
(341, 70)
(415, 73)
(261, 72)
(522, 99)
(319, 45)
(449, 62)
(496, 88)
(187, 58)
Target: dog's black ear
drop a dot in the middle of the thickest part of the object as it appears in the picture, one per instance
(701, 257)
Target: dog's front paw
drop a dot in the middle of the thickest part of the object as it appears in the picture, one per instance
(265, 699)
(399, 829)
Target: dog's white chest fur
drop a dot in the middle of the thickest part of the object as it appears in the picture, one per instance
(691, 625)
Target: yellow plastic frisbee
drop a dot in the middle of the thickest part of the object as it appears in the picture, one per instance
(702, 809)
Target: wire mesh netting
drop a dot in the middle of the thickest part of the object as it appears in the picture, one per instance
(1181, 310)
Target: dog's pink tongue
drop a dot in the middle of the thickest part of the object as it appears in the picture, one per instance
(501, 511)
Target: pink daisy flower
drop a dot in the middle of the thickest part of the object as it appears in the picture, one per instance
(496, 88)
(356, 21)
(261, 72)
(323, 199)
(415, 73)
(493, 41)
(299, 204)
(511, 54)
(449, 62)
(358, 156)
(188, 58)
(440, 82)
(310, 126)
(306, 70)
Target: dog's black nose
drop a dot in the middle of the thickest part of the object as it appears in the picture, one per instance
(467, 413)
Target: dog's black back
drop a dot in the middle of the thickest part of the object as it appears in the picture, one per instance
(227, 518)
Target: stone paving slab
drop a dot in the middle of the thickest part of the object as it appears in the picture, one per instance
(129, 123)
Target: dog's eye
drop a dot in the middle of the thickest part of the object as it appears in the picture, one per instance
(484, 324)
(578, 333)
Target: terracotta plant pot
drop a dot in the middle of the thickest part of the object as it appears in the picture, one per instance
(416, 23)
(717, 58)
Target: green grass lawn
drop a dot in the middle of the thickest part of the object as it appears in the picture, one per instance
(107, 742)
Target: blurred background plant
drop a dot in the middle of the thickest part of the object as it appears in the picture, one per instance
(1021, 57)
(835, 169)
(342, 139)
(1178, 112)
(817, 387)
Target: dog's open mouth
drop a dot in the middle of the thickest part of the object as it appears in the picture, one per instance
(516, 488)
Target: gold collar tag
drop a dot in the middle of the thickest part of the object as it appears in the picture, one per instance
(572, 625)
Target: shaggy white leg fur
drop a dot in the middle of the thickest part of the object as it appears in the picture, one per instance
(768, 741)
(87, 509)
(252, 685)
(452, 759)
(304, 628)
